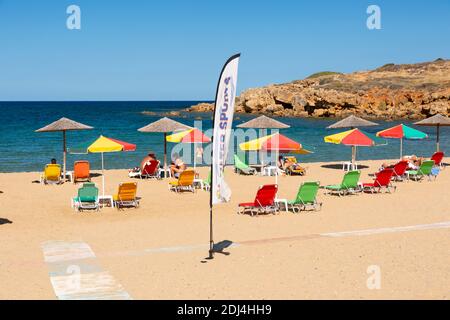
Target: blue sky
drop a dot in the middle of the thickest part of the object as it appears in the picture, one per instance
(174, 50)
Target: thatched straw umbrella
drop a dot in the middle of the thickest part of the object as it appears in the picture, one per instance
(64, 124)
(437, 121)
(263, 122)
(352, 122)
(164, 125)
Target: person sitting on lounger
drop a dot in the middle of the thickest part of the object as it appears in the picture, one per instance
(283, 163)
(288, 163)
(280, 163)
(290, 166)
(150, 157)
(414, 162)
(384, 165)
(53, 161)
(177, 166)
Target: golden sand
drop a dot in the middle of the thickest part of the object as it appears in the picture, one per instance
(157, 251)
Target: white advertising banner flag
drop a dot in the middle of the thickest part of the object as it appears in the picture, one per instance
(223, 120)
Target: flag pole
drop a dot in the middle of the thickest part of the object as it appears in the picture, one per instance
(212, 188)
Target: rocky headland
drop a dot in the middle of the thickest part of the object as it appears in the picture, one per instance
(410, 91)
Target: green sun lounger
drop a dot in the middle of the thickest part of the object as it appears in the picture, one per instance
(306, 197)
(87, 198)
(207, 182)
(348, 185)
(241, 167)
(425, 169)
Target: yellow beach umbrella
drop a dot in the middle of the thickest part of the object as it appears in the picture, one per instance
(102, 145)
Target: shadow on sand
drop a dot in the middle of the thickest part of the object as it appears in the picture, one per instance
(5, 221)
(219, 247)
(222, 245)
(338, 166)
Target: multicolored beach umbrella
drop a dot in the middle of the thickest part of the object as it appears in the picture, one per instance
(402, 132)
(193, 136)
(355, 138)
(274, 142)
(263, 123)
(102, 145)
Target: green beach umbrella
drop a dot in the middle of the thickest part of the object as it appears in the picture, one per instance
(402, 132)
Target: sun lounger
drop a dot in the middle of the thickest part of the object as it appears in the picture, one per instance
(382, 180)
(399, 170)
(348, 185)
(306, 197)
(126, 196)
(81, 171)
(150, 170)
(298, 170)
(264, 201)
(52, 174)
(207, 182)
(437, 157)
(185, 182)
(241, 167)
(425, 169)
(87, 198)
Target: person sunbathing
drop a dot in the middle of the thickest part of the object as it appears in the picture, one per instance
(177, 166)
(385, 165)
(414, 162)
(290, 166)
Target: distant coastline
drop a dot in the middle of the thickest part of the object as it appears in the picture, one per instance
(404, 91)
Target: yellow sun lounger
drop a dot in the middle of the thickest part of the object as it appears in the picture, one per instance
(298, 170)
(184, 182)
(52, 174)
(126, 196)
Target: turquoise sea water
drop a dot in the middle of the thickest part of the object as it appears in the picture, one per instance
(21, 149)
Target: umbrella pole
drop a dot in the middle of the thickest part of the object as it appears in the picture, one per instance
(165, 154)
(261, 154)
(437, 139)
(401, 148)
(353, 156)
(64, 155)
(103, 177)
(276, 171)
(195, 156)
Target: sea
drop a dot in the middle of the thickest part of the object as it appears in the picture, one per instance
(24, 150)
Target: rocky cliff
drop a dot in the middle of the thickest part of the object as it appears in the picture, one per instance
(392, 91)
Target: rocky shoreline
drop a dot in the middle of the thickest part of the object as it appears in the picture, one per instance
(407, 91)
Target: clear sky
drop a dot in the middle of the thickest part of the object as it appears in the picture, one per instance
(174, 50)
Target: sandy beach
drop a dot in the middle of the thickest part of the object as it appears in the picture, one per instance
(157, 251)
